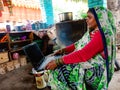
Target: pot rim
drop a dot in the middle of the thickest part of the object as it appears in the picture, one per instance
(65, 13)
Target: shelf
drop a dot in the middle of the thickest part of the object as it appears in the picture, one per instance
(15, 50)
(21, 31)
(3, 42)
(3, 32)
(4, 51)
(14, 42)
(21, 41)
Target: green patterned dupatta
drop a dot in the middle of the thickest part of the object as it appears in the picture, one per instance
(90, 75)
(107, 28)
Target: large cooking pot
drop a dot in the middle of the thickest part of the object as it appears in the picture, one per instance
(70, 31)
(66, 16)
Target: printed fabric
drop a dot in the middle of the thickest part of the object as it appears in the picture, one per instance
(90, 75)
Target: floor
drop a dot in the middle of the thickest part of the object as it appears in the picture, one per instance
(115, 83)
(20, 79)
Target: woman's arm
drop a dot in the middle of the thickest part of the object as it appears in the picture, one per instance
(69, 48)
(94, 47)
(65, 50)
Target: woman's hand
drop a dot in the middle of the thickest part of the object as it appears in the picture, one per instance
(54, 63)
(51, 65)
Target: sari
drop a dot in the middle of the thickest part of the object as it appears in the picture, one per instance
(92, 74)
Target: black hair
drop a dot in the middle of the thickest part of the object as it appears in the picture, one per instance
(91, 10)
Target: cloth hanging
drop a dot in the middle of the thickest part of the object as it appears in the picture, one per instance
(1, 6)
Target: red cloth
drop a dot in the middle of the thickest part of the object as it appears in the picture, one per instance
(70, 48)
(94, 47)
(0, 13)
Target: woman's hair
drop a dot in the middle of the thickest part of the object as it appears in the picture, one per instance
(90, 10)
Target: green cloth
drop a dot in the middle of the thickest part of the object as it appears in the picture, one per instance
(91, 74)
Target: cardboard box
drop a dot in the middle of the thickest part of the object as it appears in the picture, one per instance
(3, 68)
(4, 57)
(16, 64)
(23, 61)
(10, 66)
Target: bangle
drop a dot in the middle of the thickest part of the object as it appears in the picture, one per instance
(59, 62)
(62, 51)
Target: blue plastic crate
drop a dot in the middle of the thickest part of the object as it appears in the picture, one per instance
(97, 3)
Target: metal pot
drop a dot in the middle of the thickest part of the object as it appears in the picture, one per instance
(66, 16)
(70, 31)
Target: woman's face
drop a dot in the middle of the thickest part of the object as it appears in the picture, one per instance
(91, 22)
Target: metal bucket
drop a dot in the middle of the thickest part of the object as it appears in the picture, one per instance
(66, 16)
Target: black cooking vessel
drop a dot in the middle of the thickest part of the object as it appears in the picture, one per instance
(69, 32)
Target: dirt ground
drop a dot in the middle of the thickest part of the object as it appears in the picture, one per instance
(115, 82)
(20, 79)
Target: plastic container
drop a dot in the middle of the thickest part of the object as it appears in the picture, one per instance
(40, 81)
(97, 3)
(8, 28)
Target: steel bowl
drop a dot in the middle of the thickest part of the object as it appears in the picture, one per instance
(66, 16)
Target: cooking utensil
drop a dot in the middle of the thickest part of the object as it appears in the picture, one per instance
(66, 16)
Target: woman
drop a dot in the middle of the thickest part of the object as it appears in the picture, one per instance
(85, 66)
